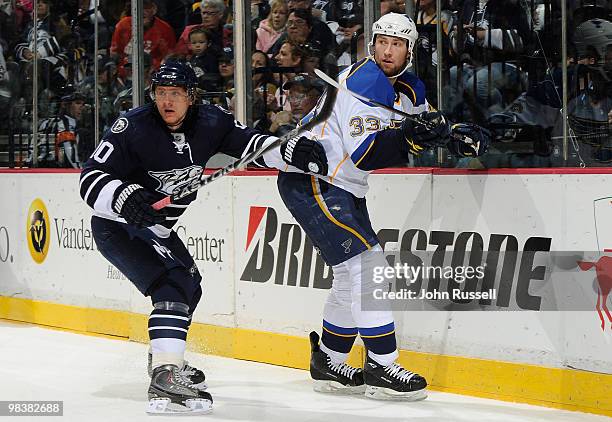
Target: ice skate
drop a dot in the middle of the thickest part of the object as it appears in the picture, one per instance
(171, 393)
(392, 382)
(332, 377)
(192, 373)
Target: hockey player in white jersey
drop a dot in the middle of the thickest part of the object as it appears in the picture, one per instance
(359, 137)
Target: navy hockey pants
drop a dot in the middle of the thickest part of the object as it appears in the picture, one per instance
(159, 267)
(335, 220)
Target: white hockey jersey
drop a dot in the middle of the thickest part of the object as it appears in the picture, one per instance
(350, 132)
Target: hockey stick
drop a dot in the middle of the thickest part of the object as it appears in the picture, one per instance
(328, 98)
(335, 84)
(332, 82)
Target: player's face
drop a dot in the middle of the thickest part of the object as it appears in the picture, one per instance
(390, 54)
(172, 103)
(199, 43)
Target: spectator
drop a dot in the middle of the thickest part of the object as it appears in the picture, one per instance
(263, 89)
(50, 29)
(109, 85)
(58, 136)
(212, 13)
(488, 38)
(271, 28)
(226, 69)
(158, 38)
(300, 30)
(203, 61)
(147, 70)
(347, 27)
(426, 21)
(303, 93)
(6, 91)
(319, 25)
(290, 56)
(348, 11)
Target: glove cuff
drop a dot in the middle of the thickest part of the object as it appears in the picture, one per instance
(122, 193)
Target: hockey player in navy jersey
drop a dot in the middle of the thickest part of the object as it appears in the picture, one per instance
(359, 137)
(148, 153)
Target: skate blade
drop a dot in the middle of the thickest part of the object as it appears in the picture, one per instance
(381, 393)
(163, 406)
(334, 387)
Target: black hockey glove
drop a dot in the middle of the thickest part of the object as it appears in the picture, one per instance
(305, 154)
(469, 140)
(421, 137)
(132, 202)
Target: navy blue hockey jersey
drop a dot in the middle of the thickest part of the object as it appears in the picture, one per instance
(139, 148)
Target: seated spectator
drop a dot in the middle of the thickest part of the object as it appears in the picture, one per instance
(109, 85)
(488, 39)
(58, 136)
(290, 58)
(426, 45)
(345, 29)
(212, 13)
(348, 13)
(50, 28)
(158, 38)
(203, 61)
(303, 93)
(263, 99)
(226, 69)
(314, 57)
(301, 30)
(271, 28)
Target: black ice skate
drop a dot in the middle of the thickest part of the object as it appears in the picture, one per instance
(333, 378)
(392, 382)
(192, 373)
(170, 392)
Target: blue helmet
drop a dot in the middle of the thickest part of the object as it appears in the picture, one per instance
(175, 73)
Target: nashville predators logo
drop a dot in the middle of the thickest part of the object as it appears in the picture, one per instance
(38, 233)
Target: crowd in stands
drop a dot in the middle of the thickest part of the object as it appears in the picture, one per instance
(501, 67)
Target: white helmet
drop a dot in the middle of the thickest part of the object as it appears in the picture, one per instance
(395, 25)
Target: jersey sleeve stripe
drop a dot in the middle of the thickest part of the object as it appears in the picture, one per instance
(86, 174)
(252, 145)
(93, 184)
(363, 149)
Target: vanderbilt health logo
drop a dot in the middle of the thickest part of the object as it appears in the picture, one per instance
(38, 233)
